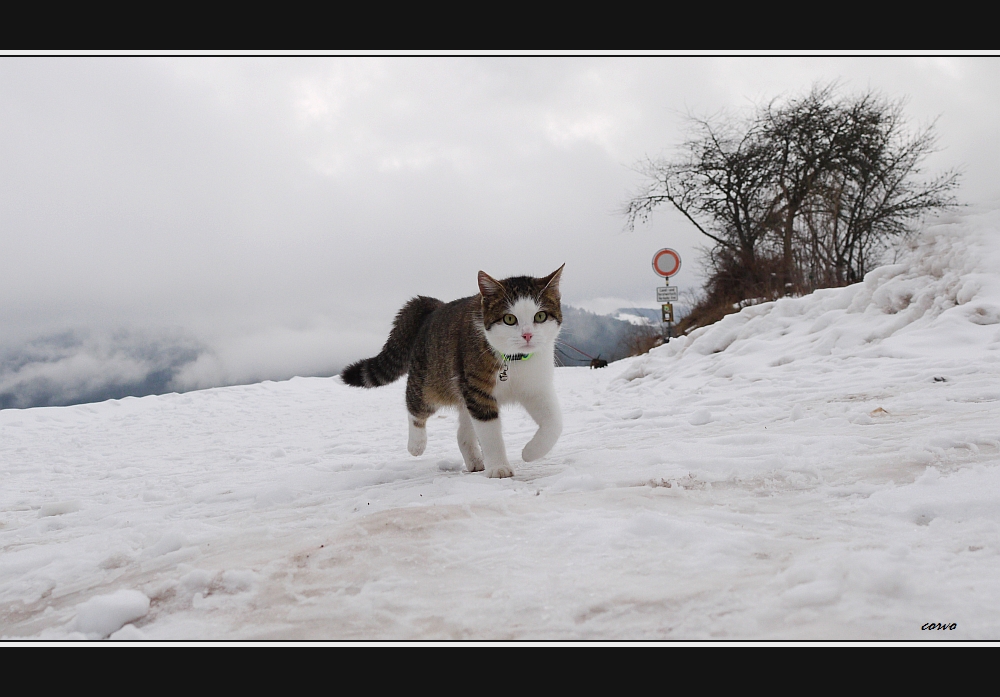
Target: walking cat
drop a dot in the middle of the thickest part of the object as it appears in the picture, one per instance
(477, 354)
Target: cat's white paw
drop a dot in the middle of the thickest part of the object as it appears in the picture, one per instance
(475, 464)
(500, 472)
(417, 442)
(537, 447)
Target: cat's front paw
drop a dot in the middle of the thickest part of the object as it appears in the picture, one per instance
(500, 472)
(536, 448)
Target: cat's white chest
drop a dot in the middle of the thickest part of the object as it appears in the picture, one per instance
(525, 379)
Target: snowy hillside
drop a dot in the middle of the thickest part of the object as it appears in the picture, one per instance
(825, 467)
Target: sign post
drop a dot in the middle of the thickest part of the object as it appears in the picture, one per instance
(667, 263)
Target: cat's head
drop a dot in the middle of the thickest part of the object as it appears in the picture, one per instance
(521, 314)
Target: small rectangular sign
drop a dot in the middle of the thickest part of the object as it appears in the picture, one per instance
(668, 312)
(666, 294)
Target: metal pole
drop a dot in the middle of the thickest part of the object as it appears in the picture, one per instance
(670, 323)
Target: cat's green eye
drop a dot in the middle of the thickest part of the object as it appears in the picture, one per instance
(541, 316)
(510, 320)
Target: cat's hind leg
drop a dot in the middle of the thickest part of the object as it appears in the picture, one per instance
(468, 444)
(544, 409)
(419, 411)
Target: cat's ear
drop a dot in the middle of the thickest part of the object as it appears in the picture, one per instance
(551, 282)
(489, 286)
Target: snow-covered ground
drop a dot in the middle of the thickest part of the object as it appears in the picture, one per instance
(825, 467)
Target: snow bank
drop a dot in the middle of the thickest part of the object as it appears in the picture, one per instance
(942, 296)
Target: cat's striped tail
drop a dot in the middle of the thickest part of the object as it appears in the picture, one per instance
(393, 361)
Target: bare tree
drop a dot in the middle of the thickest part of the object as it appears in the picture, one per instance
(809, 134)
(722, 183)
(878, 196)
(803, 193)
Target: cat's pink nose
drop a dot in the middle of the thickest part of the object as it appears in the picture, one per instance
(526, 335)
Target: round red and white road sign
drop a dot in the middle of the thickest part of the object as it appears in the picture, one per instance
(666, 263)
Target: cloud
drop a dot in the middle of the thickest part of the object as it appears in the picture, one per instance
(277, 353)
(81, 366)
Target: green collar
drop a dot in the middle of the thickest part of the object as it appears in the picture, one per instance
(517, 356)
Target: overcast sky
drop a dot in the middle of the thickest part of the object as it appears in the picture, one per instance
(223, 220)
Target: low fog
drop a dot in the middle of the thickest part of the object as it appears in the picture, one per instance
(171, 224)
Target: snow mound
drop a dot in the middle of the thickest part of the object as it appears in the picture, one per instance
(103, 615)
(943, 297)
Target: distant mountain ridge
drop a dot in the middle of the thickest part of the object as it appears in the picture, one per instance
(588, 334)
